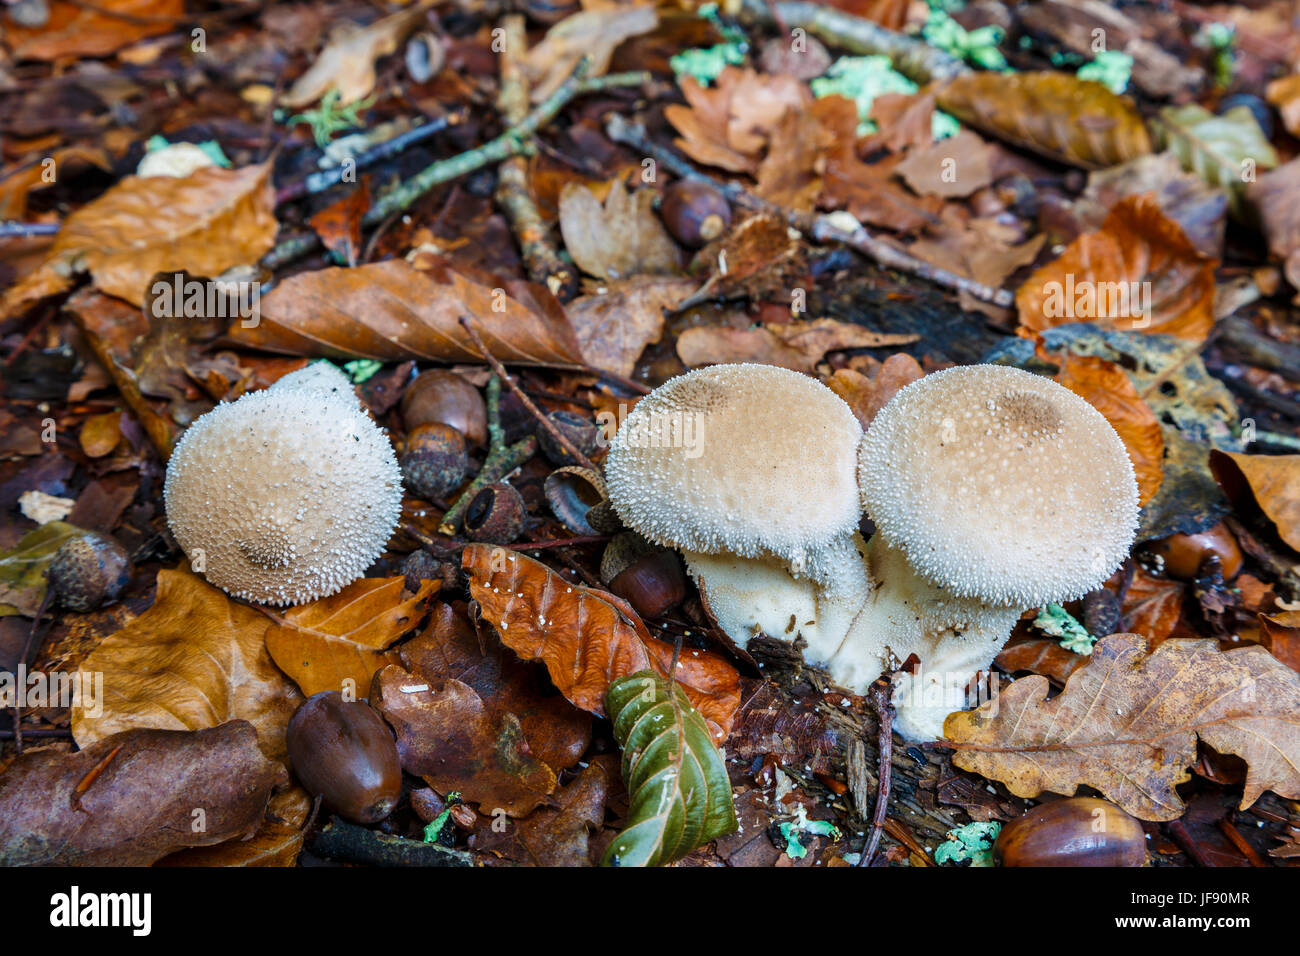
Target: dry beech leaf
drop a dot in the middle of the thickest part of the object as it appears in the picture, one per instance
(587, 638)
(1040, 656)
(1138, 272)
(1272, 197)
(203, 224)
(867, 396)
(1054, 114)
(446, 735)
(274, 844)
(790, 175)
(16, 186)
(1280, 633)
(1128, 722)
(953, 167)
(393, 312)
(980, 248)
(1152, 606)
(195, 659)
(795, 345)
(593, 33)
(327, 643)
(79, 30)
(619, 239)
(100, 434)
(1274, 480)
(1284, 93)
(347, 63)
(1107, 388)
(554, 835)
(615, 327)
(140, 806)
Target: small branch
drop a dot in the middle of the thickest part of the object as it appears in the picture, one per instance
(1187, 843)
(879, 695)
(528, 403)
(822, 229)
(349, 843)
(501, 460)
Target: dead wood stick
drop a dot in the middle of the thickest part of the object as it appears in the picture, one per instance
(879, 695)
(348, 843)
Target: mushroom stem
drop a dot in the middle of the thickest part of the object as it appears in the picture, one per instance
(905, 614)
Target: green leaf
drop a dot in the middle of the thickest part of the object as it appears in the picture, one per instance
(680, 797)
(1225, 150)
(22, 570)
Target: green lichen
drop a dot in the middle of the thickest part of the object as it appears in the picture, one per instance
(1057, 622)
(1111, 68)
(862, 79)
(973, 842)
(978, 47)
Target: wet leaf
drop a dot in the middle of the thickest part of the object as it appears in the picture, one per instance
(794, 345)
(195, 659)
(1281, 635)
(677, 784)
(588, 638)
(619, 239)
(555, 835)
(1054, 114)
(338, 642)
(1128, 722)
(446, 735)
(1225, 150)
(791, 173)
(142, 804)
(203, 224)
(392, 312)
(1139, 271)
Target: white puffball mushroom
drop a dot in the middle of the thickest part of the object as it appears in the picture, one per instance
(993, 491)
(178, 160)
(751, 471)
(286, 495)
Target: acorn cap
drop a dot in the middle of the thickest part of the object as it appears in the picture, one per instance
(1000, 485)
(286, 495)
(750, 460)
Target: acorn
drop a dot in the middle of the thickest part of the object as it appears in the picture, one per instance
(343, 752)
(496, 514)
(694, 212)
(89, 571)
(653, 583)
(436, 460)
(444, 397)
(1081, 831)
(581, 432)
(1182, 555)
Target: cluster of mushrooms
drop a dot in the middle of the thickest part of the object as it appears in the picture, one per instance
(991, 491)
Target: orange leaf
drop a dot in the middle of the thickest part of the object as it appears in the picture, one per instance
(1152, 606)
(1107, 388)
(1138, 272)
(588, 638)
(1275, 482)
(867, 396)
(341, 638)
(100, 434)
(79, 30)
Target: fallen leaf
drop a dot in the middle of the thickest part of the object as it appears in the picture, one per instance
(1128, 722)
(1281, 635)
(100, 434)
(338, 642)
(791, 174)
(953, 167)
(20, 183)
(619, 239)
(758, 257)
(555, 835)
(867, 396)
(1272, 197)
(614, 328)
(1274, 481)
(339, 223)
(80, 30)
(347, 63)
(1107, 388)
(203, 224)
(446, 736)
(392, 312)
(982, 249)
(1054, 114)
(795, 345)
(274, 844)
(588, 638)
(679, 792)
(1284, 93)
(142, 804)
(1139, 271)
(1226, 150)
(593, 33)
(1040, 656)
(195, 659)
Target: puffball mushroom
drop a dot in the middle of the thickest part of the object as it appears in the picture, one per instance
(750, 471)
(286, 495)
(993, 491)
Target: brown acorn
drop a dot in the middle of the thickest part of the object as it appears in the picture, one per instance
(1081, 831)
(694, 212)
(89, 571)
(1183, 554)
(653, 583)
(435, 461)
(496, 514)
(581, 432)
(444, 397)
(343, 752)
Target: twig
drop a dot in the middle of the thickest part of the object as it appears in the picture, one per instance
(528, 403)
(879, 696)
(501, 460)
(1276, 440)
(27, 230)
(1187, 843)
(821, 228)
(349, 843)
(542, 260)
(904, 836)
(1236, 839)
(559, 542)
(85, 783)
(22, 661)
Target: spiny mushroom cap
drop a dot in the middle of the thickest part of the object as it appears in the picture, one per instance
(1000, 485)
(286, 495)
(750, 460)
(323, 376)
